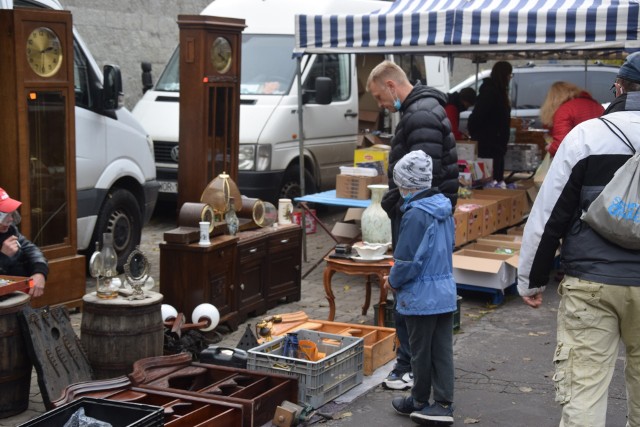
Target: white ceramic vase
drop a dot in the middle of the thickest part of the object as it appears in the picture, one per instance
(375, 224)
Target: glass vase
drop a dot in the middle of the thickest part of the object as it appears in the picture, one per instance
(107, 288)
(375, 223)
(231, 218)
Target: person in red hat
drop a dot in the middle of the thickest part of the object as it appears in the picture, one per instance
(19, 256)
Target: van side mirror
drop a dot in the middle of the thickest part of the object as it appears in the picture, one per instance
(324, 90)
(113, 97)
(147, 79)
(322, 94)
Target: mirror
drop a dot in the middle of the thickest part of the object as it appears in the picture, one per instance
(136, 271)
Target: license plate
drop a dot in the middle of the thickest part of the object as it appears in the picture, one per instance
(168, 186)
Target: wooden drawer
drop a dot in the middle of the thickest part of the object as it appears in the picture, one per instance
(285, 241)
(248, 251)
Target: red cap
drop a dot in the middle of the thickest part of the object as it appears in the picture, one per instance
(7, 204)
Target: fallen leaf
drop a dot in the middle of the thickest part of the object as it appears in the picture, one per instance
(345, 415)
(470, 420)
(525, 389)
(346, 288)
(526, 359)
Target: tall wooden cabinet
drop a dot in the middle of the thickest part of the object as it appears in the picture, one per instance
(37, 124)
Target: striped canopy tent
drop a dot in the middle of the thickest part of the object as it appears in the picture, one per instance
(479, 29)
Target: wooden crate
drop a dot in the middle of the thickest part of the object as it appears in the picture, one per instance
(379, 342)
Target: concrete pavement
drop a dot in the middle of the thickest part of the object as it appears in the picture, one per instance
(502, 353)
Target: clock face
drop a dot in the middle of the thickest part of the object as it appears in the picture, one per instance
(44, 52)
(221, 55)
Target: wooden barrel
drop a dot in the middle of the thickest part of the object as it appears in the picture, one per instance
(117, 332)
(15, 365)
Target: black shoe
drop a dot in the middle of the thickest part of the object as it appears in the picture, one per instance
(406, 405)
(438, 414)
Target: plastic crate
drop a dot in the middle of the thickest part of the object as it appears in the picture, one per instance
(321, 381)
(118, 414)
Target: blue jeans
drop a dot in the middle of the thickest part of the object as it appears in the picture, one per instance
(403, 353)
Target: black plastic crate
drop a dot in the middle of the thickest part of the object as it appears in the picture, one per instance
(118, 414)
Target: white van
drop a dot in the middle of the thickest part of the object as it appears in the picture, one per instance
(530, 83)
(269, 151)
(117, 189)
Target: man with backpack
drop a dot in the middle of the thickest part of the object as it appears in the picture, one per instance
(600, 293)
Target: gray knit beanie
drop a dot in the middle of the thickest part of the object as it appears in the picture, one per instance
(414, 171)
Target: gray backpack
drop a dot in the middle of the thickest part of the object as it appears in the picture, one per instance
(615, 213)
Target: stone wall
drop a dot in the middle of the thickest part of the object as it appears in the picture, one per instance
(126, 32)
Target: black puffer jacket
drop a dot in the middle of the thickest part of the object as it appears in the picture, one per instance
(28, 261)
(489, 121)
(423, 126)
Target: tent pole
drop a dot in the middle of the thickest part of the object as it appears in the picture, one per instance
(301, 154)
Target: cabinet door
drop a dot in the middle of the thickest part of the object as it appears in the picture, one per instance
(285, 258)
(219, 288)
(252, 274)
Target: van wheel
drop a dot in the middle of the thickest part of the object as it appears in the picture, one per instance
(291, 185)
(121, 216)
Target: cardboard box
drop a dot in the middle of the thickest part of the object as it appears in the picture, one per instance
(519, 204)
(504, 203)
(506, 240)
(373, 154)
(345, 232)
(461, 221)
(310, 221)
(355, 187)
(368, 120)
(475, 216)
(516, 231)
(467, 150)
(484, 269)
(489, 214)
(493, 248)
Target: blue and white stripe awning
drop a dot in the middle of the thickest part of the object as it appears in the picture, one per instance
(456, 26)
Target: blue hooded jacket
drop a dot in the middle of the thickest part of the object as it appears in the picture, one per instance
(422, 274)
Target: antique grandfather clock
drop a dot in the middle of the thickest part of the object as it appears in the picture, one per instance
(209, 101)
(38, 141)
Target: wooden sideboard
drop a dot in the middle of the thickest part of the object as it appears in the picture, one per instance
(241, 275)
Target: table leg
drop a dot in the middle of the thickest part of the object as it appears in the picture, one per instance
(328, 274)
(382, 304)
(367, 296)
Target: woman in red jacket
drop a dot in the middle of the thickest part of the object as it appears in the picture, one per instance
(566, 106)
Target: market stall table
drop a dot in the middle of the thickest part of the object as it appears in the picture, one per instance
(369, 269)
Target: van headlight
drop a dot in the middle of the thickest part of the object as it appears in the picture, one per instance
(150, 144)
(254, 157)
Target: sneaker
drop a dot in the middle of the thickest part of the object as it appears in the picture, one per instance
(406, 405)
(398, 380)
(501, 184)
(438, 414)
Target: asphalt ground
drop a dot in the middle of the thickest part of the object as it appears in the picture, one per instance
(503, 354)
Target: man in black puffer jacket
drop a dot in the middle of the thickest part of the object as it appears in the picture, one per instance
(423, 126)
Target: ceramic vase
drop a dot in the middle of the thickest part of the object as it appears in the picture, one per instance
(375, 224)
(231, 218)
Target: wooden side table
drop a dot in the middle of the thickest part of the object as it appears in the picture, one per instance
(355, 268)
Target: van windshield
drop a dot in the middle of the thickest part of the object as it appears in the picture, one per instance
(267, 66)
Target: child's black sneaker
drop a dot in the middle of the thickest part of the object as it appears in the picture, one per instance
(406, 405)
(438, 414)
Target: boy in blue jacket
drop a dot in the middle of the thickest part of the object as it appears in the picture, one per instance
(425, 291)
